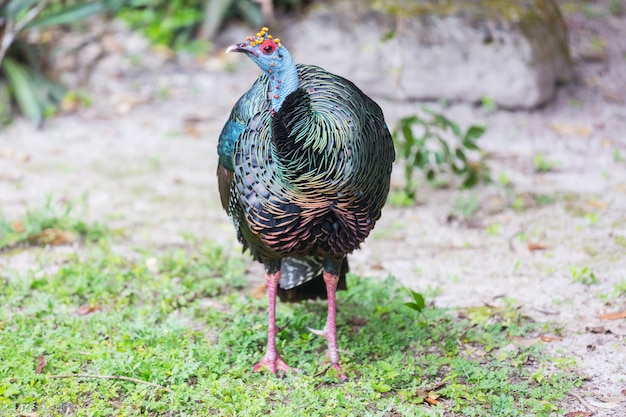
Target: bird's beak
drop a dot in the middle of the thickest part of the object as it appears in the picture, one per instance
(241, 47)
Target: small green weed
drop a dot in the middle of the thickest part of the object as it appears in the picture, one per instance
(50, 224)
(466, 207)
(418, 304)
(494, 229)
(616, 8)
(504, 180)
(592, 218)
(488, 104)
(618, 291)
(583, 275)
(435, 145)
(542, 164)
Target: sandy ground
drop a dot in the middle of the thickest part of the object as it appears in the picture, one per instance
(144, 155)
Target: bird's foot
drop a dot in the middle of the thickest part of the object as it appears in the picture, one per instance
(273, 365)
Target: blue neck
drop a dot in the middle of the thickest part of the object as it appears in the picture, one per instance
(283, 79)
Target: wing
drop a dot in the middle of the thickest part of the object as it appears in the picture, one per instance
(243, 120)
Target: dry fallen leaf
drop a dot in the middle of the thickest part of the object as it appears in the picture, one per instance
(613, 316)
(519, 341)
(53, 237)
(533, 246)
(548, 339)
(18, 226)
(598, 204)
(258, 292)
(429, 395)
(431, 401)
(578, 414)
(564, 129)
(41, 363)
(86, 309)
(597, 330)
(191, 129)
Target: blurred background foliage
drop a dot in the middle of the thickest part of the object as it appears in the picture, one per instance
(28, 29)
(185, 24)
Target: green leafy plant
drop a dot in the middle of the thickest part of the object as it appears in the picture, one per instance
(466, 207)
(618, 291)
(542, 164)
(167, 23)
(616, 8)
(24, 52)
(418, 304)
(189, 24)
(435, 145)
(583, 275)
(488, 104)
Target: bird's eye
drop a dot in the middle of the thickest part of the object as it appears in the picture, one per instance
(268, 47)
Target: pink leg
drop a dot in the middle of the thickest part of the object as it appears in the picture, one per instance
(330, 329)
(272, 360)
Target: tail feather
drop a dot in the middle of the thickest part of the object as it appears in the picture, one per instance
(302, 279)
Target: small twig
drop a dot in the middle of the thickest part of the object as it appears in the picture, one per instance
(584, 402)
(547, 312)
(322, 372)
(116, 377)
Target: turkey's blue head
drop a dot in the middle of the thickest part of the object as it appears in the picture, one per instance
(274, 60)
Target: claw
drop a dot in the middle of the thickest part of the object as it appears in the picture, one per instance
(342, 377)
(316, 331)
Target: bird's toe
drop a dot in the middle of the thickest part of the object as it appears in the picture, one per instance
(273, 365)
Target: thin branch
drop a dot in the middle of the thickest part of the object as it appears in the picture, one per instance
(585, 403)
(116, 377)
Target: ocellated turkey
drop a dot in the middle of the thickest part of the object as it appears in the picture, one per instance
(304, 168)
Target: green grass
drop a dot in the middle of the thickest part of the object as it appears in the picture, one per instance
(180, 319)
(51, 222)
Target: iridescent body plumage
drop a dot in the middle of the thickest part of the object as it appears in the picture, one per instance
(304, 167)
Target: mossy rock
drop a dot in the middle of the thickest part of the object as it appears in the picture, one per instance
(512, 51)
